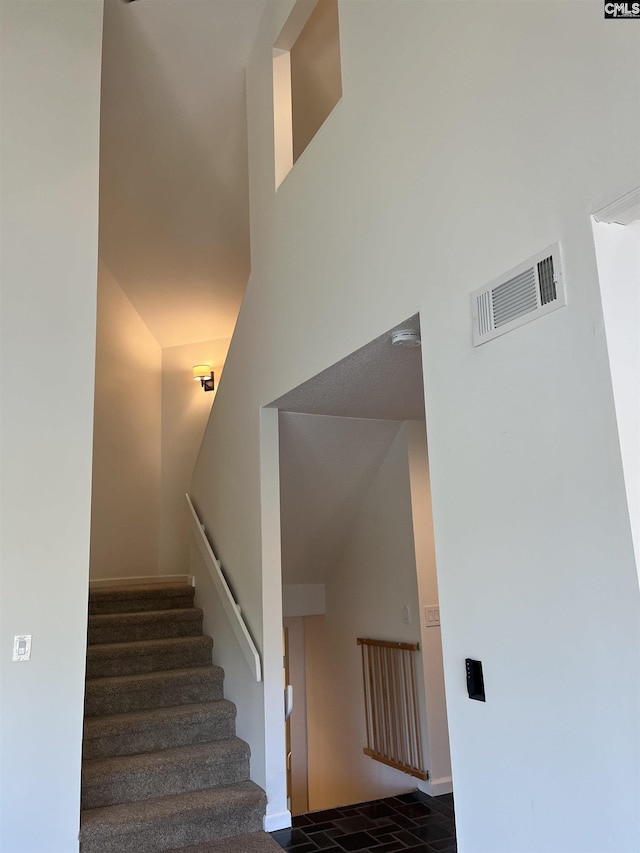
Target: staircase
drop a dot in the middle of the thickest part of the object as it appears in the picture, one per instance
(162, 767)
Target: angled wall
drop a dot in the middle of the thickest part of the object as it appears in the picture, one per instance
(456, 153)
(50, 91)
(126, 440)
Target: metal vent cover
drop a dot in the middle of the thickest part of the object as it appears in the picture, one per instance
(525, 293)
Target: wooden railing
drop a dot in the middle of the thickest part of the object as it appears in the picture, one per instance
(391, 705)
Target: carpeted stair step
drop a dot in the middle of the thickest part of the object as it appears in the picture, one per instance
(139, 597)
(108, 659)
(149, 625)
(252, 842)
(120, 694)
(161, 728)
(177, 821)
(108, 781)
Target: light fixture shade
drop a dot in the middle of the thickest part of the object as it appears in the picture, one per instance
(201, 372)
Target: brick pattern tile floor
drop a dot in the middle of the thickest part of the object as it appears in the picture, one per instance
(408, 822)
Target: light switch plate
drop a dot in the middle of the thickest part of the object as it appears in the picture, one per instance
(22, 647)
(432, 616)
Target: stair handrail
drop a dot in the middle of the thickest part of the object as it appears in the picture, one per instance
(231, 607)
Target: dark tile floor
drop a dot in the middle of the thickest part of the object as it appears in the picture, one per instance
(407, 822)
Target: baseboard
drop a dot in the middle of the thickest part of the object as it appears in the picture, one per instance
(435, 787)
(278, 820)
(96, 583)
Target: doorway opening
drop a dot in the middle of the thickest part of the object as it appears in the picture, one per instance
(358, 561)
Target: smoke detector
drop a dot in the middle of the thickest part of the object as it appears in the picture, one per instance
(405, 338)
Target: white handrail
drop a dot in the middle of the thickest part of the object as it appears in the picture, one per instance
(224, 593)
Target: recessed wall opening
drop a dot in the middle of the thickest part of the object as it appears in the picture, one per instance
(307, 79)
(356, 558)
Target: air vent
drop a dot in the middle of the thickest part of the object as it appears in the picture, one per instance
(523, 294)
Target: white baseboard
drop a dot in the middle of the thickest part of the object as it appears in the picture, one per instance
(278, 820)
(435, 787)
(96, 583)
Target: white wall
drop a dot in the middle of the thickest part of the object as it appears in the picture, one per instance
(452, 156)
(303, 599)
(50, 89)
(326, 466)
(366, 591)
(245, 692)
(126, 441)
(618, 251)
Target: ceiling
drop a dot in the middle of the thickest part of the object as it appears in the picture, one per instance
(376, 381)
(174, 212)
(335, 431)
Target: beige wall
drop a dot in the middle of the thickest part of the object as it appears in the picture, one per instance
(126, 442)
(316, 85)
(449, 160)
(149, 419)
(391, 536)
(50, 98)
(298, 744)
(185, 410)
(366, 592)
(431, 636)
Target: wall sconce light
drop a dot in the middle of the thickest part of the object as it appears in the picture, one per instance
(204, 373)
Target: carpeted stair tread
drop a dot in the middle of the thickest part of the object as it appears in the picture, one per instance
(159, 728)
(146, 625)
(164, 759)
(253, 842)
(123, 693)
(112, 659)
(107, 781)
(139, 597)
(169, 822)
